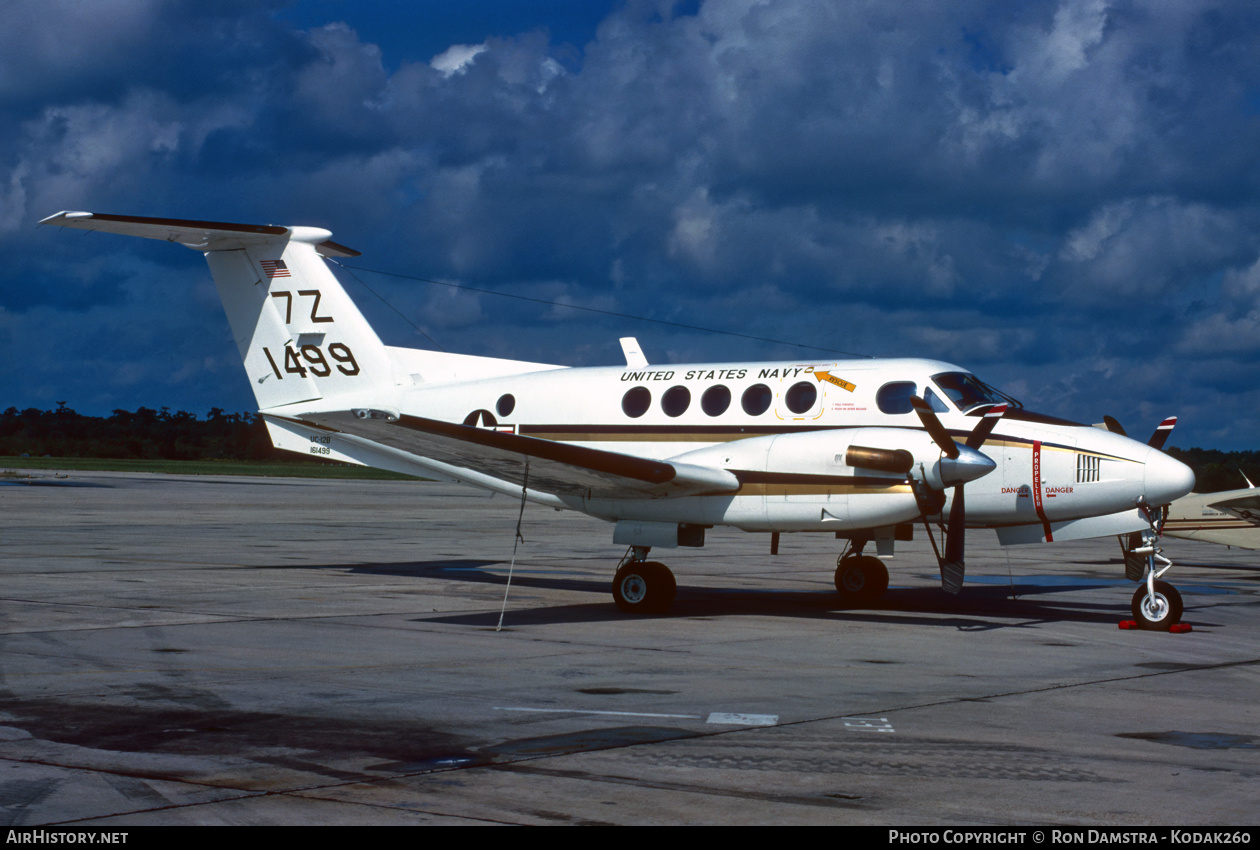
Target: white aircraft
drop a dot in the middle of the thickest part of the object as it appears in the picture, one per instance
(1229, 517)
(861, 448)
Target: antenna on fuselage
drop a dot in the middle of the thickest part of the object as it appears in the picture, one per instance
(635, 358)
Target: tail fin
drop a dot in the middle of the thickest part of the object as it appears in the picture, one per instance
(301, 337)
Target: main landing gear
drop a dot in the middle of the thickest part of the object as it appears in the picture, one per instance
(1156, 604)
(648, 587)
(642, 586)
(860, 579)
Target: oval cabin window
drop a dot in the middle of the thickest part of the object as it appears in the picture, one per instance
(676, 401)
(801, 397)
(715, 400)
(756, 399)
(636, 402)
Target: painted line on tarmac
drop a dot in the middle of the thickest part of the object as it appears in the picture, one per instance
(590, 711)
(743, 719)
(716, 718)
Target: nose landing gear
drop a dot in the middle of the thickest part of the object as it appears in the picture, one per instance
(1156, 605)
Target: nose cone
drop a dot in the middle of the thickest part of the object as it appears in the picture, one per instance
(968, 466)
(1166, 479)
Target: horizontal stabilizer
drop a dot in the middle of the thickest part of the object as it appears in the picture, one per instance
(199, 235)
(553, 467)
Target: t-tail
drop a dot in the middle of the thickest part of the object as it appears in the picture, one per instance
(300, 336)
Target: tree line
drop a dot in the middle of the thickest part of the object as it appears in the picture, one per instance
(145, 434)
(163, 435)
(1215, 470)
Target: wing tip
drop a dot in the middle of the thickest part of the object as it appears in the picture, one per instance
(65, 216)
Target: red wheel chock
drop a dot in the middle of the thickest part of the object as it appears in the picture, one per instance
(1176, 628)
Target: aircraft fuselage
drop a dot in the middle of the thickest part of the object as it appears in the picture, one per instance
(785, 428)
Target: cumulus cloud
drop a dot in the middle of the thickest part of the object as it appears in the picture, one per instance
(1146, 247)
(73, 152)
(44, 46)
(1032, 189)
(456, 58)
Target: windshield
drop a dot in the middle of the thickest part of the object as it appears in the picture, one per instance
(967, 391)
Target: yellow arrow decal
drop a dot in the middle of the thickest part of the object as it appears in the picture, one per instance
(832, 379)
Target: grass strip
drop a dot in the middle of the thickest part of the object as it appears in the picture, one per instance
(203, 467)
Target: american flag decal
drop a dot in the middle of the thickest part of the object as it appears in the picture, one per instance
(274, 268)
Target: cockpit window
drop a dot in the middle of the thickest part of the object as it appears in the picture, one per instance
(934, 401)
(967, 391)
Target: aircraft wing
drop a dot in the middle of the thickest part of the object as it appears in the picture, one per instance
(553, 467)
(1230, 518)
(1244, 504)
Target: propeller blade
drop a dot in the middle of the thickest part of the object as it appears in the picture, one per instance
(934, 427)
(953, 567)
(985, 426)
(1113, 426)
(962, 464)
(1162, 432)
(957, 522)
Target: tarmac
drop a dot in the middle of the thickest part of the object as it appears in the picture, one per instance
(226, 650)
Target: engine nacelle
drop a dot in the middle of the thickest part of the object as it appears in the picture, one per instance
(891, 453)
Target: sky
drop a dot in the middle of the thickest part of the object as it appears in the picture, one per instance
(1061, 196)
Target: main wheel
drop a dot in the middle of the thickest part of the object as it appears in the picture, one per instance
(644, 587)
(1160, 612)
(861, 579)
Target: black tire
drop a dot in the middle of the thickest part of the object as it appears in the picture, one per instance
(644, 587)
(1159, 614)
(1134, 565)
(861, 579)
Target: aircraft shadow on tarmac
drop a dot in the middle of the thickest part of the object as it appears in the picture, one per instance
(979, 607)
(52, 482)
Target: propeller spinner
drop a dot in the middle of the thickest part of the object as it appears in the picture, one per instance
(959, 465)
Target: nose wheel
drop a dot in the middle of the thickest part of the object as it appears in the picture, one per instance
(1158, 608)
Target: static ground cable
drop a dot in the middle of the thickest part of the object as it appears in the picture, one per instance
(587, 309)
(515, 543)
(379, 297)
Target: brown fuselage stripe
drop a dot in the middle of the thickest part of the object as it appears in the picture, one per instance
(1207, 524)
(648, 470)
(818, 490)
(727, 434)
